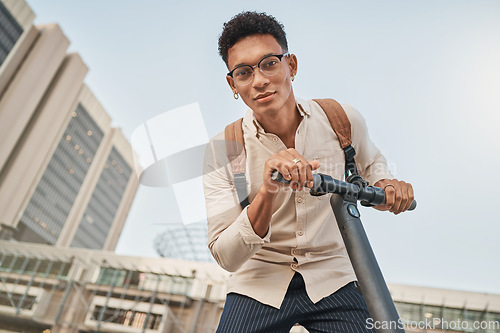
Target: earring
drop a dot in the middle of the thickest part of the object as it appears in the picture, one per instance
(235, 95)
(293, 77)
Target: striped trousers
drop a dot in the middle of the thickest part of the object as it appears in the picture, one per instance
(343, 311)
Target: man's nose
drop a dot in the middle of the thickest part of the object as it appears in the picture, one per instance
(259, 79)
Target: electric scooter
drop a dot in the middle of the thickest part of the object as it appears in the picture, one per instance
(344, 204)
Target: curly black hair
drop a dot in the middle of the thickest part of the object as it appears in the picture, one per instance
(250, 23)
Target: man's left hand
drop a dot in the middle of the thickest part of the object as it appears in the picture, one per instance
(399, 195)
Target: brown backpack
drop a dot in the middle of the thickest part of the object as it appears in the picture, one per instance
(236, 153)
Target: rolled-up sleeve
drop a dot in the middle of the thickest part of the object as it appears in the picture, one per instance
(371, 164)
(231, 237)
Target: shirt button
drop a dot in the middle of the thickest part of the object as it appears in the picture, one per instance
(299, 200)
(300, 232)
(294, 266)
(275, 139)
(295, 251)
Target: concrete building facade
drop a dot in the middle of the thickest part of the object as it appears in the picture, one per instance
(83, 291)
(66, 176)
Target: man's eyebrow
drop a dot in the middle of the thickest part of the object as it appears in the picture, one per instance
(243, 64)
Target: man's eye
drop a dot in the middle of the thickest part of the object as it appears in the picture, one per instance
(242, 72)
(270, 63)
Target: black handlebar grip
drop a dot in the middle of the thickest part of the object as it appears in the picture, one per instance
(367, 204)
(278, 177)
(412, 206)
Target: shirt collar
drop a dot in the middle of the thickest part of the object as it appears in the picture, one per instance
(255, 127)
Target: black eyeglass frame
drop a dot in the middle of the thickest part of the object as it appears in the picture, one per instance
(279, 56)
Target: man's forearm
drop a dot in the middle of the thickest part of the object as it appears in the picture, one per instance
(260, 211)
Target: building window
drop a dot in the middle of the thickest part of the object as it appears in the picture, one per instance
(447, 319)
(111, 276)
(28, 265)
(17, 300)
(127, 317)
(104, 203)
(10, 31)
(52, 201)
(178, 285)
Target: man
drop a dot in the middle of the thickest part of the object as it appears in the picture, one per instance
(289, 261)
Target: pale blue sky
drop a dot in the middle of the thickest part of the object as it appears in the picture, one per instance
(425, 74)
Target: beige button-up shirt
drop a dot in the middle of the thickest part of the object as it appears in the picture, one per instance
(303, 235)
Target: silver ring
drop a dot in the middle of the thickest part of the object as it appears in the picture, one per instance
(296, 160)
(386, 186)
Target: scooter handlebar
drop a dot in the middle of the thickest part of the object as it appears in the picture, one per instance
(323, 184)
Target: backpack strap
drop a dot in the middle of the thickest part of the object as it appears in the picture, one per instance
(236, 153)
(342, 127)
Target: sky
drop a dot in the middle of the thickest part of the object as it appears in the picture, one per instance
(424, 74)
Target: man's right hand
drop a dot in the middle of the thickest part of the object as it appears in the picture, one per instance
(293, 166)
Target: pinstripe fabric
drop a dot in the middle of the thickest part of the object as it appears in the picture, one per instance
(343, 311)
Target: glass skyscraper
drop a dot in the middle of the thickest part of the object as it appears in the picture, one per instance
(10, 31)
(67, 177)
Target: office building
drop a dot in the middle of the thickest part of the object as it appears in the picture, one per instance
(83, 291)
(67, 177)
(426, 309)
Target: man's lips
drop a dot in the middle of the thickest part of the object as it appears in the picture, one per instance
(264, 97)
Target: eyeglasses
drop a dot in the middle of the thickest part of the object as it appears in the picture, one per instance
(269, 66)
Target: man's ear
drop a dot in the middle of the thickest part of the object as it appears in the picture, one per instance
(230, 81)
(292, 64)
